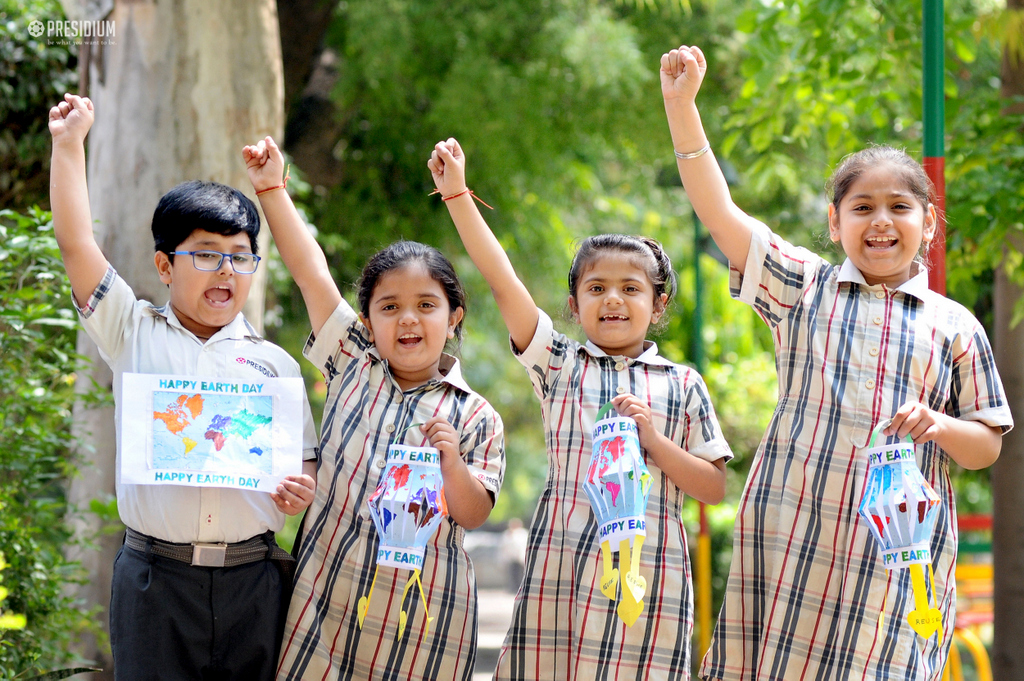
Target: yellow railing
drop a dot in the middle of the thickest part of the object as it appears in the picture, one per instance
(982, 666)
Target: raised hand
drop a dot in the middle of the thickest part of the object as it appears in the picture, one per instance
(265, 163)
(682, 72)
(72, 118)
(448, 167)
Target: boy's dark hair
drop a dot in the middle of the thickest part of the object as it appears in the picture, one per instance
(209, 206)
(655, 261)
(854, 165)
(402, 253)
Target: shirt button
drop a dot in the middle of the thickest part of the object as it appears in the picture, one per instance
(619, 366)
(390, 428)
(880, 294)
(869, 384)
(878, 320)
(399, 398)
(873, 352)
(379, 463)
(620, 390)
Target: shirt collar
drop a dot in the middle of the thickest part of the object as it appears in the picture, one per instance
(916, 286)
(648, 356)
(238, 328)
(448, 366)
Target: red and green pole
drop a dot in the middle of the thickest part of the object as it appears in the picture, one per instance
(934, 134)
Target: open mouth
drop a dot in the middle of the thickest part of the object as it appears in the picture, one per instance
(614, 318)
(881, 241)
(409, 339)
(219, 295)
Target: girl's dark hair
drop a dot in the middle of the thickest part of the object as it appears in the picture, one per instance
(655, 261)
(402, 253)
(209, 206)
(854, 165)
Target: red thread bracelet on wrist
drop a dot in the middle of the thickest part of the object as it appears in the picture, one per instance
(287, 175)
(467, 190)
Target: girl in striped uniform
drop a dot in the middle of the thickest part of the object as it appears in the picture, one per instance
(563, 626)
(386, 373)
(808, 596)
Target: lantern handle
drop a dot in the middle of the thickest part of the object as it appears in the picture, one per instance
(882, 425)
(603, 411)
(403, 431)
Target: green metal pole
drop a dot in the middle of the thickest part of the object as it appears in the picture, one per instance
(697, 345)
(934, 133)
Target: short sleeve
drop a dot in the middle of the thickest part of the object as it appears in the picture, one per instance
(545, 355)
(483, 446)
(341, 340)
(977, 392)
(702, 436)
(776, 276)
(108, 315)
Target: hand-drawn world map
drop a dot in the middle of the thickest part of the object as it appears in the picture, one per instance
(208, 431)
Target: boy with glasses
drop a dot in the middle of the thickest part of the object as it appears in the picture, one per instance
(197, 590)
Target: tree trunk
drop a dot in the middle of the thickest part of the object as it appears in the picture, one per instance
(185, 84)
(1008, 472)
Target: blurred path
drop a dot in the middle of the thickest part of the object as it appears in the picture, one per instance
(495, 608)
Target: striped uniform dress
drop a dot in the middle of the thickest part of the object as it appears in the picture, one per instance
(563, 626)
(364, 410)
(807, 586)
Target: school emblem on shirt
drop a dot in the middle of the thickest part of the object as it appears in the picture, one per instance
(255, 365)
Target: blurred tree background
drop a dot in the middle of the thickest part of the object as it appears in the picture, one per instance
(558, 107)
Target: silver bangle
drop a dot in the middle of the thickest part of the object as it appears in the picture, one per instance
(694, 154)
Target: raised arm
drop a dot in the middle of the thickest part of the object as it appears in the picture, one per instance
(300, 252)
(682, 72)
(448, 167)
(85, 263)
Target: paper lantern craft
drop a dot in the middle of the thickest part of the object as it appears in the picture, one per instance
(407, 507)
(901, 508)
(618, 484)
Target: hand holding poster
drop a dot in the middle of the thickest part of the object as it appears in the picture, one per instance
(210, 432)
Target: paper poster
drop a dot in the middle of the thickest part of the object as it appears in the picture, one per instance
(210, 432)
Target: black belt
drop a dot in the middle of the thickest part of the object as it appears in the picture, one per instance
(208, 554)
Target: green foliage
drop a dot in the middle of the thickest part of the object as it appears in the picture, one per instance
(816, 88)
(38, 365)
(33, 77)
(8, 619)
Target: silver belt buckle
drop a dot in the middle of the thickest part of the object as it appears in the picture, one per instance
(209, 555)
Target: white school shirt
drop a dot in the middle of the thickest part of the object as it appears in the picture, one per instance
(135, 336)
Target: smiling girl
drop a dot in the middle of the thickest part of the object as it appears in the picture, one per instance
(386, 372)
(563, 626)
(808, 596)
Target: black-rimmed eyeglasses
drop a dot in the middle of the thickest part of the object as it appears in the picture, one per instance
(211, 261)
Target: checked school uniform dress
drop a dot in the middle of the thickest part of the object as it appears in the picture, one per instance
(364, 411)
(807, 585)
(563, 626)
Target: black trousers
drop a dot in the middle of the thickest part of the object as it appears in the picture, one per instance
(170, 620)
